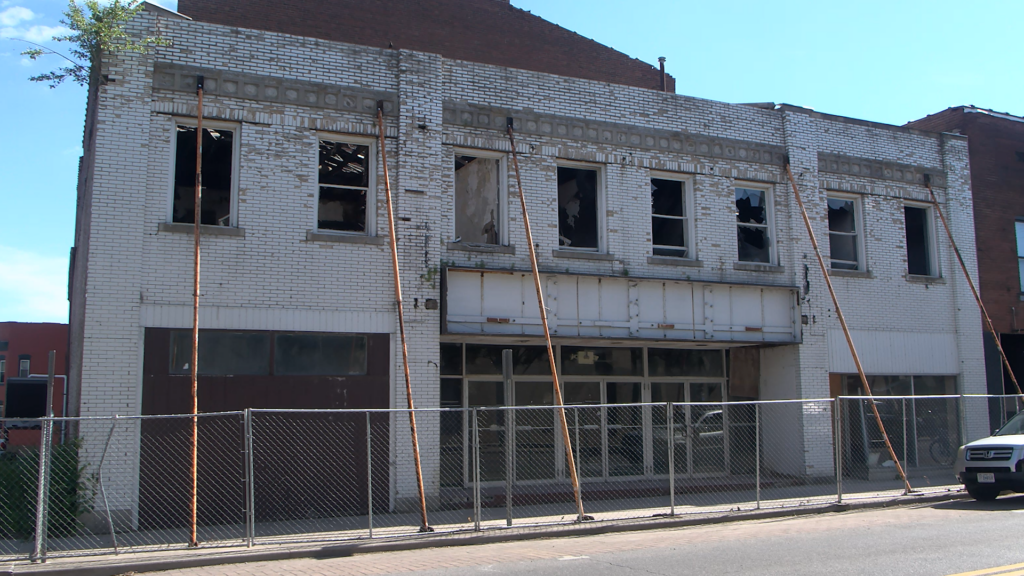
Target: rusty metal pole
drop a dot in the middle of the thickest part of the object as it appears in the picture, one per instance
(196, 217)
(970, 282)
(547, 335)
(846, 329)
(401, 319)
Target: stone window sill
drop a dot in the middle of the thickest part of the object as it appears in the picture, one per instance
(914, 278)
(582, 255)
(669, 261)
(851, 273)
(483, 248)
(204, 229)
(312, 236)
(758, 267)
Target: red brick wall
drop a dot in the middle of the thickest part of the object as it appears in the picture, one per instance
(487, 31)
(997, 182)
(36, 340)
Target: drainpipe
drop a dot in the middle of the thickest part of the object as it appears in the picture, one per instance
(664, 83)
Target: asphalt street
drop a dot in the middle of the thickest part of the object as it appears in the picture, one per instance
(958, 537)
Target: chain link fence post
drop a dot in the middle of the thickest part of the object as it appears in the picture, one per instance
(476, 472)
(903, 413)
(103, 490)
(670, 433)
(369, 476)
(508, 466)
(757, 454)
(42, 492)
(837, 438)
(250, 482)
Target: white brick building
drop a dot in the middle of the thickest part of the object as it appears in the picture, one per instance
(288, 256)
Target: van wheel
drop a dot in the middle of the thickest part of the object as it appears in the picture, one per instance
(983, 494)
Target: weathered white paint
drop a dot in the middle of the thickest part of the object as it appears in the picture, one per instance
(246, 318)
(889, 352)
(505, 302)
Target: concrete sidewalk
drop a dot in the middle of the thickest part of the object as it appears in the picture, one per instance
(139, 562)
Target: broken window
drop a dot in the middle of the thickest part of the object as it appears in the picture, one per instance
(1020, 251)
(919, 245)
(319, 355)
(218, 172)
(477, 200)
(843, 233)
(222, 353)
(577, 208)
(344, 187)
(670, 223)
(753, 228)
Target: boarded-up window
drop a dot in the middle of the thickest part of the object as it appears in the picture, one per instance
(753, 229)
(319, 355)
(477, 200)
(344, 186)
(222, 353)
(577, 208)
(218, 157)
(670, 219)
(919, 250)
(843, 233)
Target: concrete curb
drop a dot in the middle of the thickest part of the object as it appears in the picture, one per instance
(123, 564)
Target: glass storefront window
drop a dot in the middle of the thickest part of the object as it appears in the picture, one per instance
(451, 359)
(685, 363)
(580, 361)
(526, 360)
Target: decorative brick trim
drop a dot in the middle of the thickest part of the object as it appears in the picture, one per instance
(599, 132)
(177, 78)
(867, 168)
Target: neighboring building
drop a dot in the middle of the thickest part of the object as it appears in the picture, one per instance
(996, 144)
(24, 365)
(674, 257)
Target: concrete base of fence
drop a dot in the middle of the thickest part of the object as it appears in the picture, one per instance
(176, 560)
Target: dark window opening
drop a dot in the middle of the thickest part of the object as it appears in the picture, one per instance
(1020, 156)
(451, 359)
(477, 193)
(222, 353)
(669, 219)
(344, 181)
(526, 360)
(752, 232)
(842, 234)
(3, 345)
(580, 361)
(218, 154)
(24, 365)
(577, 208)
(3, 369)
(918, 245)
(319, 355)
(681, 362)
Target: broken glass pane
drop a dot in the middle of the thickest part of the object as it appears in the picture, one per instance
(843, 251)
(668, 218)
(667, 197)
(841, 217)
(750, 206)
(753, 244)
(344, 184)
(918, 257)
(477, 186)
(752, 231)
(218, 154)
(577, 208)
(669, 232)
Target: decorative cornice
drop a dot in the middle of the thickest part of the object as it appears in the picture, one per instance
(599, 132)
(867, 168)
(179, 78)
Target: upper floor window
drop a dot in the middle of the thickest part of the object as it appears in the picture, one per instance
(479, 193)
(24, 366)
(579, 200)
(3, 369)
(844, 232)
(344, 198)
(1019, 225)
(671, 223)
(753, 225)
(920, 242)
(220, 159)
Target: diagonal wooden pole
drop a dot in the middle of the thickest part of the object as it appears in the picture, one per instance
(846, 330)
(547, 334)
(197, 216)
(425, 527)
(970, 282)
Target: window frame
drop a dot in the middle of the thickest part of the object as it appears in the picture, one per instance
(503, 207)
(3, 369)
(690, 220)
(24, 367)
(371, 192)
(602, 229)
(236, 145)
(934, 271)
(1019, 237)
(769, 225)
(858, 222)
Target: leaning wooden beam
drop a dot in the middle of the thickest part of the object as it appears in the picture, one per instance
(970, 282)
(846, 329)
(193, 503)
(424, 527)
(547, 335)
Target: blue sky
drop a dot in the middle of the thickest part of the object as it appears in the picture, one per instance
(891, 61)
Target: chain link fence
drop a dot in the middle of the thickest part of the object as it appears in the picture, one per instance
(110, 485)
